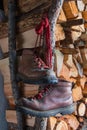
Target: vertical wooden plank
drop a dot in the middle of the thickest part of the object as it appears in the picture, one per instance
(12, 57)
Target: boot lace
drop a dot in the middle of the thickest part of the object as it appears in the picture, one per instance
(40, 63)
(43, 92)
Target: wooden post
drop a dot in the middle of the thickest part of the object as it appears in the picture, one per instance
(12, 57)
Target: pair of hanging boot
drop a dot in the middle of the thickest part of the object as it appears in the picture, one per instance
(56, 97)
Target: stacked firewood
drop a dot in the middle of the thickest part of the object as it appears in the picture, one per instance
(70, 64)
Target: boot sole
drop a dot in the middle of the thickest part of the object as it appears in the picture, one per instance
(64, 110)
(41, 80)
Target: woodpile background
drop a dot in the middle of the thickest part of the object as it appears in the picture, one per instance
(70, 60)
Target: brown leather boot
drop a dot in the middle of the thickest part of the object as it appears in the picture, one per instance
(33, 70)
(53, 99)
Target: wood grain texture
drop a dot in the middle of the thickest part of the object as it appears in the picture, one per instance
(70, 9)
(28, 19)
(11, 117)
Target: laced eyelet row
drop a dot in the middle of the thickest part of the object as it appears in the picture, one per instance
(43, 92)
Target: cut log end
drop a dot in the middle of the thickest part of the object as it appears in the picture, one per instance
(81, 109)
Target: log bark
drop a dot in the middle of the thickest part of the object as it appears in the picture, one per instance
(68, 50)
(75, 22)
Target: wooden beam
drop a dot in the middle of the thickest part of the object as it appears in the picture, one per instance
(24, 6)
(25, 21)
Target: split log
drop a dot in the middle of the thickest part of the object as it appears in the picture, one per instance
(57, 124)
(51, 123)
(59, 33)
(62, 125)
(84, 91)
(73, 71)
(80, 5)
(84, 1)
(79, 67)
(84, 15)
(77, 93)
(68, 60)
(68, 40)
(66, 122)
(80, 28)
(81, 108)
(11, 102)
(62, 73)
(72, 79)
(85, 68)
(83, 52)
(84, 38)
(70, 64)
(78, 57)
(70, 9)
(72, 121)
(11, 117)
(75, 22)
(68, 50)
(79, 43)
(80, 81)
(62, 16)
(58, 62)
